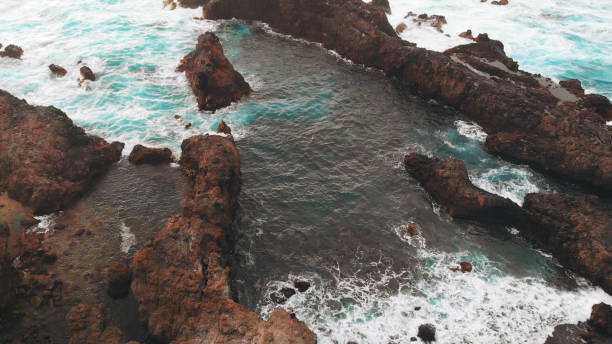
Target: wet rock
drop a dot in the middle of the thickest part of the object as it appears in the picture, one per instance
(212, 77)
(412, 229)
(145, 155)
(46, 162)
(301, 286)
(500, 2)
(382, 4)
(427, 333)
(278, 298)
(287, 292)
(180, 303)
(501, 105)
(486, 48)
(86, 74)
(192, 3)
(188, 126)
(448, 183)
(465, 267)
(576, 230)
(574, 86)
(401, 27)
(177, 116)
(601, 318)
(467, 34)
(118, 279)
(12, 51)
(599, 104)
(90, 324)
(417, 308)
(57, 70)
(224, 128)
(413, 339)
(436, 21)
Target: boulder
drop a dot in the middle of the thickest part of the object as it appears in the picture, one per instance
(12, 51)
(427, 333)
(576, 230)
(118, 279)
(87, 74)
(47, 162)
(212, 77)
(57, 70)
(145, 155)
(601, 318)
(412, 229)
(466, 267)
(448, 183)
(301, 286)
(486, 48)
(401, 27)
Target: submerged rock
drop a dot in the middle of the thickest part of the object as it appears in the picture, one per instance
(46, 162)
(513, 104)
(12, 51)
(118, 279)
(427, 333)
(448, 183)
(182, 301)
(57, 70)
(301, 286)
(145, 155)
(576, 230)
(212, 77)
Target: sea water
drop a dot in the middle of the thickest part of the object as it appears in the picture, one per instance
(325, 196)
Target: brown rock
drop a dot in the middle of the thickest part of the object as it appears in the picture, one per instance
(185, 299)
(500, 2)
(448, 183)
(192, 3)
(212, 77)
(145, 155)
(12, 51)
(412, 229)
(467, 34)
(576, 229)
(90, 324)
(382, 5)
(466, 267)
(224, 128)
(57, 70)
(46, 162)
(401, 27)
(601, 317)
(574, 86)
(118, 279)
(87, 74)
(598, 104)
(579, 149)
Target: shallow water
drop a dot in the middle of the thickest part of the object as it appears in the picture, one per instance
(324, 195)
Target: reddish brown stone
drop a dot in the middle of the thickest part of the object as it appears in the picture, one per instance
(601, 317)
(12, 51)
(212, 77)
(58, 70)
(145, 155)
(90, 324)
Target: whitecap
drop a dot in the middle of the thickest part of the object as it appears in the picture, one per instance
(128, 239)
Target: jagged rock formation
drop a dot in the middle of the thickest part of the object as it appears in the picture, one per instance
(212, 77)
(46, 162)
(146, 155)
(182, 278)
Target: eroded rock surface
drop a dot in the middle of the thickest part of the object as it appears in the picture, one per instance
(146, 155)
(448, 183)
(526, 121)
(46, 162)
(182, 278)
(212, 77)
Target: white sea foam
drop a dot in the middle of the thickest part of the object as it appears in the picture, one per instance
(128, 239)
(507, 181)
(46, 222)
(484, 306)
(471, 130)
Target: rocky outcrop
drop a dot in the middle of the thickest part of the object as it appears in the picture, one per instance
(527, 121)
(118, 280)
(212, 77)
(577, 230)
(224, 128)
(46, 162)
(91, 324)
(182, 278)
(449, 184)
(12, 51)
(58, 70)
(382, 5)
(597, 330)
(145, 155)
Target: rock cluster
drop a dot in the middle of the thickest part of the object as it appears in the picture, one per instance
(212, 77)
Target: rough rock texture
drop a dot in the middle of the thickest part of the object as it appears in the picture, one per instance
(212, 77)
(224, 128)
(526, 121)
(90, 324)
(598, 329)
(57, 70)
(12, 51)
(448, 183)
(46, 162)
(601, 318)
(87, 74)
(427, 333)
(382, 4)
(577, 230)
(145, 155)
(182, 278)
(118, 279)
(192, 3)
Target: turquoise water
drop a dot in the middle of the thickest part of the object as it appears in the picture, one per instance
(325, 196)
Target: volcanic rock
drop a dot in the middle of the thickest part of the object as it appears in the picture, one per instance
(401, 27)
(574, 86)
(86, 74)
(601, 317)
(411, 229)
(224, 128)
(145, 155)
(486, 48)
(90, 324)
(184, 301)
(500, 2)
(448, 183)
(58, 70)
(192, 3)
(598, 104)
(301, 286)
(382, 4)
(212, 77)
(576, 147)
(465, 267)
(118, 279)
(12, 51)
(427, 333)
(46, 162)
(576, 230)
